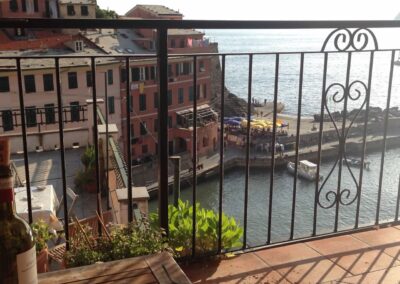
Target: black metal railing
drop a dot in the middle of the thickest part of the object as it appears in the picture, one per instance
(347, 37)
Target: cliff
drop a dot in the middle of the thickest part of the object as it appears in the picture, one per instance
(234, 106)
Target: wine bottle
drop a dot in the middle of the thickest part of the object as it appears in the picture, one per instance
(17, 246)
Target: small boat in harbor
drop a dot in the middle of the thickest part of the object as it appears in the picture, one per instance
(355, 162)
(305, 169)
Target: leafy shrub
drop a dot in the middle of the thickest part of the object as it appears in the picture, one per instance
(181, 225)
(130, 241)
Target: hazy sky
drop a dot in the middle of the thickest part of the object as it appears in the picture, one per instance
(271, 10)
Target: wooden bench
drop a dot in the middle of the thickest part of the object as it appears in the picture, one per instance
(156, 268)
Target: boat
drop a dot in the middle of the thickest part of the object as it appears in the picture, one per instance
(305, 169)
(355, 162)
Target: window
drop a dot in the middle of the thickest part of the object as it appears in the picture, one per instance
(155, 100)
(48, 84)
(78, 45)
(145, 149)
(123, 75)
(75, 114)
(169, 97)
(202, 68)
(198, 92)
(70, 10)
(49, 113)
(185, 68)
(204, 90)
(7, 119)
(19, 32)
(4, 84)
(84, 10)
(191, 93)
(132, 130)
(155, 125)
(111, 105)
(13, 5)
(182, 43)
(142, 102)
(131, 103)
(30, 86)
(110, 77)
(170, 73)
(30, 116)
(169, 121)
(153, 72)
(35, 6)
(89, 79)
(72, 80)
(135, 74)
(172, 43)
(180, 96)
(143, 128)
(24, 5)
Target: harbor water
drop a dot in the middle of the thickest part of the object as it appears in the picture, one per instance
(259, 190)
(288, 84)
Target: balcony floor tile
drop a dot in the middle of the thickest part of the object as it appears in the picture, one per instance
(245, 268)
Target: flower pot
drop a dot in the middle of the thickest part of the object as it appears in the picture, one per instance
(90, 187)
(42, 261)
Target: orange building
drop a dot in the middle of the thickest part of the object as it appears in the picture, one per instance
(144, 88)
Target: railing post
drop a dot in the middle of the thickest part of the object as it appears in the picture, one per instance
(176, 160)
(162, 56)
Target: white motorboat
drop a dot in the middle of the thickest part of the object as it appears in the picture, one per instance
(355, 162)
(305, 169)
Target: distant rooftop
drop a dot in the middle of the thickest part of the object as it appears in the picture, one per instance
(177, 32)
(159, 10)
(87, 2)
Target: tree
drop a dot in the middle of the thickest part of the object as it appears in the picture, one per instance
(105, 13)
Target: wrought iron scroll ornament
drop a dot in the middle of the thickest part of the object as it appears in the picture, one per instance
(344, 39)
(337, 94)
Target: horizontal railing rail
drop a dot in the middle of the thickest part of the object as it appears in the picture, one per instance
(332, 192)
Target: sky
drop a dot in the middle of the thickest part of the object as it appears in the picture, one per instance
(271, 10)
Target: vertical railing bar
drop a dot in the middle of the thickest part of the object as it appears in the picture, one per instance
(321, 132)
(271, 187)
(378, 206)
(342, 143)
(96, 139)
(24, 140)
(221, 155)
(106, 140)
(162, 54)
(367, 99)
(297, 144)
(194, 148)
(62, 150)
(129, 137)
(396, 218)
(248, 137)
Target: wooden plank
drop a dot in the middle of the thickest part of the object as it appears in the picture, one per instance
(166, 270)
(111, 278)
(94, 270)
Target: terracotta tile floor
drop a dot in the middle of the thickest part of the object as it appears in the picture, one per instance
(367, 257)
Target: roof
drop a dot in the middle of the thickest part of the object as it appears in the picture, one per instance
(117, 42)
(159, 10)
(85, 2)
(177, 32)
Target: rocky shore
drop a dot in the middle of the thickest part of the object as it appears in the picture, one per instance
(234, 106)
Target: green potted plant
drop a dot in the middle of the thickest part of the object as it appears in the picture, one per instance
(42, 234)
(181, 225)
(86, 179)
